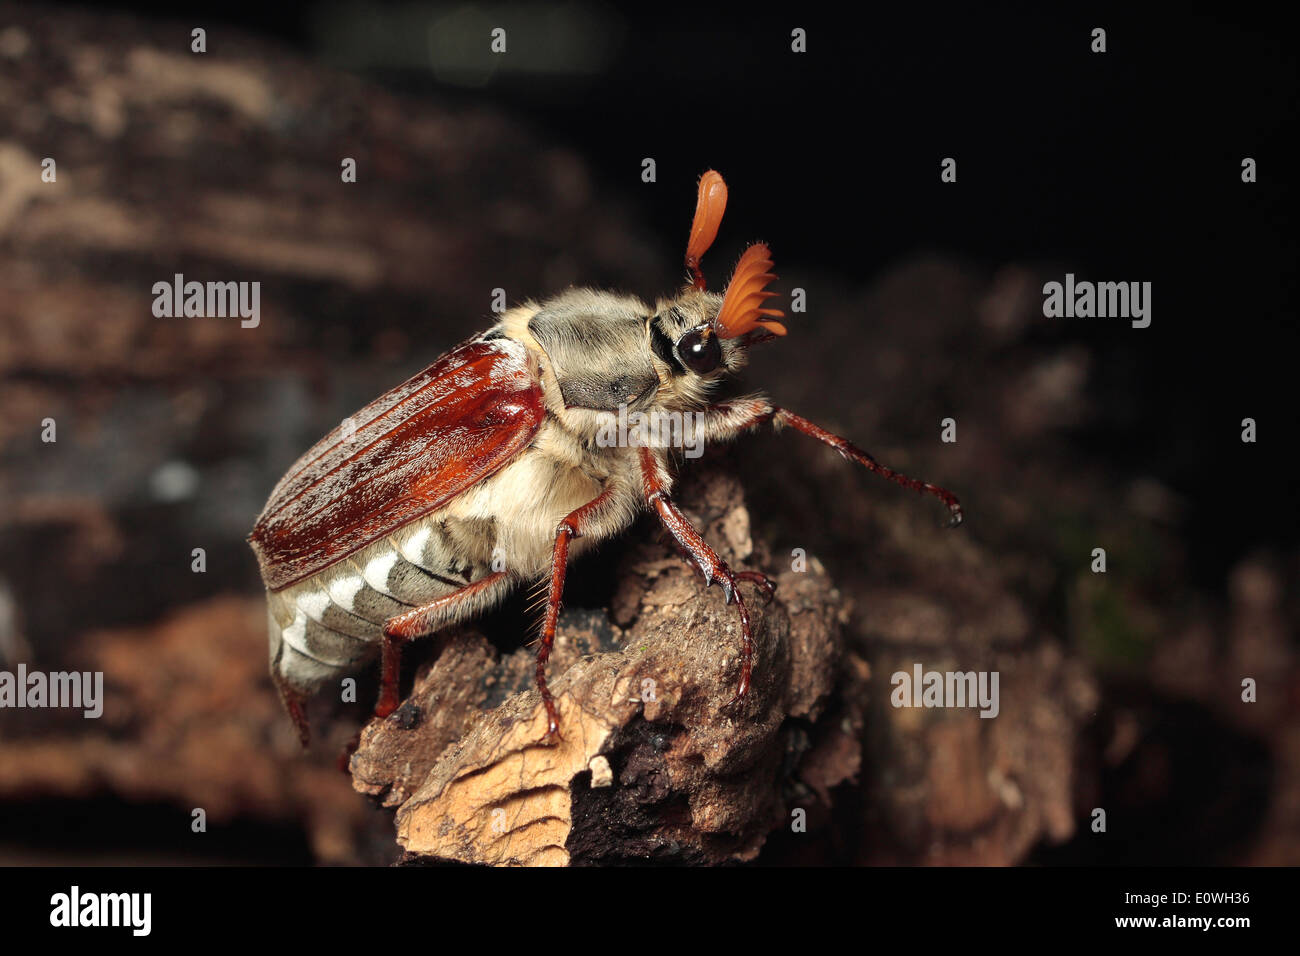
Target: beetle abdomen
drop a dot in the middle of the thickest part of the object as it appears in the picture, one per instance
(400, 459)
(331, 623)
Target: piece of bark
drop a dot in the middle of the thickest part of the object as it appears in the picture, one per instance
(190, 720)
(654, 762)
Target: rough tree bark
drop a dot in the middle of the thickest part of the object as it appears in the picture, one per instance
(654, 764)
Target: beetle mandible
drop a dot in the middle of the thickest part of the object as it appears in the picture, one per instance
(493, 466)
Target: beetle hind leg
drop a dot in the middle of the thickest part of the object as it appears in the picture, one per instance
(424, 620)
(295, 704)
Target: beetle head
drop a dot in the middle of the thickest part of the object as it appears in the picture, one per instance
(606, 353)
(690, 355)
(699, 337)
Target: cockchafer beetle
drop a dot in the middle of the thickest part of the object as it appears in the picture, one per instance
(504, 458)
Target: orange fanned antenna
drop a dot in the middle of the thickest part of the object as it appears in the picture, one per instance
(709, 207)
(742, 307)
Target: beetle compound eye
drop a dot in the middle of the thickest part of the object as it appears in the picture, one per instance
(699, 350)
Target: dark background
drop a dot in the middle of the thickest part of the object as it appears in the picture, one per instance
(1122, 166)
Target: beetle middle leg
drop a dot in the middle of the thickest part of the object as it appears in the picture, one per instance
(574, 525)
(426, 619)
(697, 552)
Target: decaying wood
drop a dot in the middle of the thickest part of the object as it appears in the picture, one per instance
(654, 762)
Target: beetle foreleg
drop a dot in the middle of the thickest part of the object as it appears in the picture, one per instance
(426, 619)
(697, 551)
(727, 419)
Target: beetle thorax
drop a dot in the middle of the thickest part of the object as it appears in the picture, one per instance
(608, 361)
